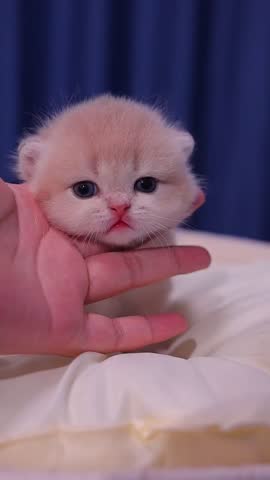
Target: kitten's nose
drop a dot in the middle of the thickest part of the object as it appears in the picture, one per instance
(120, 209)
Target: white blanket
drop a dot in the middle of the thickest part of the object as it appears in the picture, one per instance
(98, 412)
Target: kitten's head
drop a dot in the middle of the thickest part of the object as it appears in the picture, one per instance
(110, 170)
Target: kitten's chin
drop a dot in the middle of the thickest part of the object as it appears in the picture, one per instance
(115, 243)
(124, 243)
(87, 249)
(121, 241)
(122, 237)
(104, 244)
(131, 245)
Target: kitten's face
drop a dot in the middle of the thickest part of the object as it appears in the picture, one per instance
(112, 172)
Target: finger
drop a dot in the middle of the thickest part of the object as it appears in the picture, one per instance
(107, 335)
(7, 200)
(116, 272)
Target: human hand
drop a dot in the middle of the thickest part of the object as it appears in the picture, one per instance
(45, 282)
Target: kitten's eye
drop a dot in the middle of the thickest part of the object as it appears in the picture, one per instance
(146, 184)
(85, 189)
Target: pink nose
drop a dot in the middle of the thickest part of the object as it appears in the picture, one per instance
(120, 209)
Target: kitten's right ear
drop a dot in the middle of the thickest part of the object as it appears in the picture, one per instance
(28, 154)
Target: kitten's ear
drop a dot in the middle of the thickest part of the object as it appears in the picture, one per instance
(28, 154)
(186, 143)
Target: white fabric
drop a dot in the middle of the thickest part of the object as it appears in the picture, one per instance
(223, 379)
(226, 250)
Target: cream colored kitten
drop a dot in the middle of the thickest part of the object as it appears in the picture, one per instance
(112, 173)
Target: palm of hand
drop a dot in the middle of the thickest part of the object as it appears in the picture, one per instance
(42, 263)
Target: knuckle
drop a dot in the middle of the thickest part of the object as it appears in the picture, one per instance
(134, 267)
(176, 259)
(118, 334)
(150, 326)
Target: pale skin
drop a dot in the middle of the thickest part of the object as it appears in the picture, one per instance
(45, 283)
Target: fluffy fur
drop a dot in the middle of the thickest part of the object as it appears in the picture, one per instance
(112, 142)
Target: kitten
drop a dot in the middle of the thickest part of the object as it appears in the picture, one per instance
(113, 174)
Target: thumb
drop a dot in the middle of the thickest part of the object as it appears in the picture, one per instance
(7, 200)
(8, 223)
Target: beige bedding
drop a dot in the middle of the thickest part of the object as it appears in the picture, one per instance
(206, 401)
(227, 250)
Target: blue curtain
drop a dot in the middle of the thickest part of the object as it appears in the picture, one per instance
(207, 62)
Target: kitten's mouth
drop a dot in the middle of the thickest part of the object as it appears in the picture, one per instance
(119, 225)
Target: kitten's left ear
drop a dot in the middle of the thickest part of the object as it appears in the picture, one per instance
(185, 143)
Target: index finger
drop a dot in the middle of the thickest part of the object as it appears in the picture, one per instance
(116, 272)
